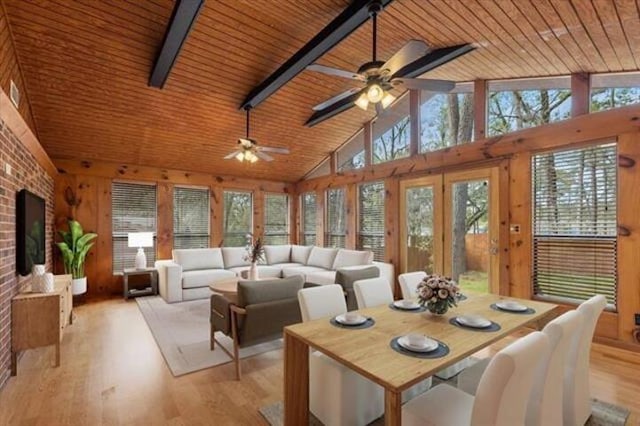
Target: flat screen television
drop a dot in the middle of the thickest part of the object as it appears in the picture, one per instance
(30, 231)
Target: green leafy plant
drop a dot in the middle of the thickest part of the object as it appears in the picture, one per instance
(74, 247)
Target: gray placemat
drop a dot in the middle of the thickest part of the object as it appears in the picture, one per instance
(493, 327)
(442, 350)
(529, 311)
(368, 323)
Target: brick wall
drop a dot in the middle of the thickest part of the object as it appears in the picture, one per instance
(26, 173)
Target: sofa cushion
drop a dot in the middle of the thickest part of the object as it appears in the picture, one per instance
(234, 256)
(352, 258)
(300, 254)
(198, 259)
(194, 279)
(264, 271)
(277, 254)
(286, 265)
(321, 277)
(253, 292)
(300, 270)
(322, 257)
(346, 277)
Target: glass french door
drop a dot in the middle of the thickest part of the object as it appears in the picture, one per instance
(450, 226)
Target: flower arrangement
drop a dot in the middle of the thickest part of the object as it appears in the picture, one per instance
(255, 250)
(438, 293)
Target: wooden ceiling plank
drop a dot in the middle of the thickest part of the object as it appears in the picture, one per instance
(612, 26)
(630, 18)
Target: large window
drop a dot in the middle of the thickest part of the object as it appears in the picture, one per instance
(446, 119)
(336, 227)
(238, 212)
(574, 223)
(351, 155)
(276, 219)
(614, 90)
(371, 218)
(520, 104)
(308, 218)
(190, 217)
(133, 209)
(391, 133)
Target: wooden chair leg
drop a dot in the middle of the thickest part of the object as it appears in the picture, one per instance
(234, 335)
(212, 336)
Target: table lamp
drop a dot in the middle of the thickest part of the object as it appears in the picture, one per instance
(140, 240)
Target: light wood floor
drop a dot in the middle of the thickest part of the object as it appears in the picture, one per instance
(112, 373)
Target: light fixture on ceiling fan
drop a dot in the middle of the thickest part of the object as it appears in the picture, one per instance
(381, 77)
(248, 149)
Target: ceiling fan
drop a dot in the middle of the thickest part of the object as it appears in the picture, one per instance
(248, 149)
(379, 77)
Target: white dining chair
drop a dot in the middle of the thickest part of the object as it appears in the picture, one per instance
(409, 283)
(502, 396)
(545, 405)
(577, 394)
(337, 395)
(376, 292)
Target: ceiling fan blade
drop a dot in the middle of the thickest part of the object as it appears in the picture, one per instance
(263, 156)
(336, 98)
(274, 150)
(335, 72)
(425, 84)
(411, 51)
(232, 155)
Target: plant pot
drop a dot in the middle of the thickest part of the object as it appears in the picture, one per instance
(79, 286)
(253, 271)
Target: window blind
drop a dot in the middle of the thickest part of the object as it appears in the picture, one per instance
(190, 218)
(237, 220)
(371, 218)
(308, 214)
(276, 219)
(336, 228)
(574, 223)
(133, 209)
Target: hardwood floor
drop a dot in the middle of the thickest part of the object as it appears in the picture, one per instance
(112, 373)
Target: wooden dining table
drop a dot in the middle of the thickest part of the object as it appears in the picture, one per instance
(368, 351)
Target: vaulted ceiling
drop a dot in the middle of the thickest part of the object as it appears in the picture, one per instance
(86, 64)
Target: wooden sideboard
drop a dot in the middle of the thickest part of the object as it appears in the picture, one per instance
(39, 319)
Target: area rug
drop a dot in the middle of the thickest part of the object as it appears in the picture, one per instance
(181, 331)
(604, 414)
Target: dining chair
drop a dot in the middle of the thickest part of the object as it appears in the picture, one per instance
(545, 406)
(577, 394)
(409, 283)
(502, 396)
(375, 292)
(337, 395)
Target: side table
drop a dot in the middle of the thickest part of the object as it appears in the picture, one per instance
(150, 290)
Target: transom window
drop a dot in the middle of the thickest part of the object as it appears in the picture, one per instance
(391, 133)
(614, 90)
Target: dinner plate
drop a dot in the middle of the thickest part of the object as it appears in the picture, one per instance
(359, 320)
(509, 305)
(412, 306)
(475, 321)
(428, 345)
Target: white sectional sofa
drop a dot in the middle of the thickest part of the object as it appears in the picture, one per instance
(188, 275)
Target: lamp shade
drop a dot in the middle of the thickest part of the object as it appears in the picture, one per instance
(140, 239)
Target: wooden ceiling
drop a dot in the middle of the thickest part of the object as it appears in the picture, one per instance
(86, 64)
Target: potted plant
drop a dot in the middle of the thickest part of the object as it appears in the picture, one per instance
(74, 247)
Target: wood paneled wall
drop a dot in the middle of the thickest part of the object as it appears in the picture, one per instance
(513, 153)
(89, 183)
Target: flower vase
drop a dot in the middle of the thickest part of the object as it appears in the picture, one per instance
(253, 271)
(437, 308)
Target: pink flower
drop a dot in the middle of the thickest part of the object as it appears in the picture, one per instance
(443, 293)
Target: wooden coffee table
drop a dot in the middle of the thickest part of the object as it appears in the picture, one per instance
(227, 287)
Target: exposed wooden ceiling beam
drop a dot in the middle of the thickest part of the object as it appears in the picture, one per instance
(184, 15)
(356, 14)
(415, 69)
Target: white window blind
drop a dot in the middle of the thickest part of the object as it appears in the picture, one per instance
(276, 219)
(371, 218)
(308, 215)
(133, 209)
(190, 218)
(237, 221)
(336, 228)
(574, 223)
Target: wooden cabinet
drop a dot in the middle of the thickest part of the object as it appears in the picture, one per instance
(39, 319)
